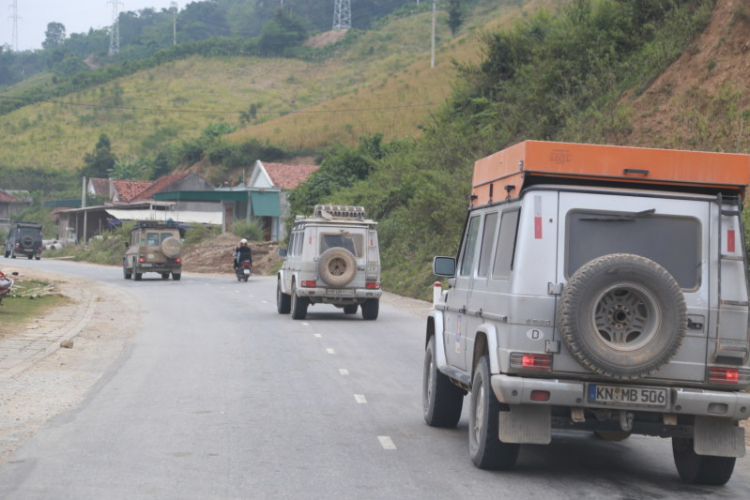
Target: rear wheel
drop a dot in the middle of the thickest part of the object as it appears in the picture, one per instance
(176, 276)
(165, 276)
(125, 271)
(30, 256)
(283, 300)
(486, 449)
(351, 309)
(700, 469)
(441, 400)
(370, 308)
(299, 304)
(136, 275)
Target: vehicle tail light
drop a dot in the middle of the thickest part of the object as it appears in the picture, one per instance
(539, 396)
(141, 259)
(525, 361)
(372, 285)
(178, 260)
(721, 375)
(308, 284)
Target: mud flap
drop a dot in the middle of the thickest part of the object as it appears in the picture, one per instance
(526, 424)
(719, 437)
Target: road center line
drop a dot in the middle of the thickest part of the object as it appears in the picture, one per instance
(360, 398)
(386, 442)
(330, 351)
(317, 335)
(305, 323)
(343, 371)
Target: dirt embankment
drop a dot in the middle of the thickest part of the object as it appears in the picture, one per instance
(215, 256)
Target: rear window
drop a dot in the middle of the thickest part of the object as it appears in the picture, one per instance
(672, 242)
(352, 242)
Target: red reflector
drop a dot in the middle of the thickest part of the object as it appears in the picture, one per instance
(372, 285)
(730, 240)
(539, 396)
(723, 375)
(309, 284)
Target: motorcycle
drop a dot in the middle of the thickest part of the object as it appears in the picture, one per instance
(6, 283)
(243, 270)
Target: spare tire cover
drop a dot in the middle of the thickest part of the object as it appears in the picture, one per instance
(27, 241)
(622, 316)
(171, 247)
(337, 266)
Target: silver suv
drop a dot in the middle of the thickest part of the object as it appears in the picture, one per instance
(332, 258)
(595, 296)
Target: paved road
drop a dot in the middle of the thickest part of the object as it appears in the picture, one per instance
(220, 397)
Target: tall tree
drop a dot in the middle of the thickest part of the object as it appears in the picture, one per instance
(455, 16)
(101, 160)
(54, 36)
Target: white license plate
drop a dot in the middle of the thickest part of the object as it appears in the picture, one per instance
(341, 292)
(652, 397)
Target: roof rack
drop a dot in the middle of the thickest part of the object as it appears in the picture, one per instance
(145, 224)
(339, 212)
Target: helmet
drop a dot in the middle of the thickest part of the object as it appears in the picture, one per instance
(243, 241)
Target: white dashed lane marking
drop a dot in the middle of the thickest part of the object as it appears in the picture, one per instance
(343, 371)
(386, 442)
(305, 323)
(317, 335)
(330, 351)
(360, 398)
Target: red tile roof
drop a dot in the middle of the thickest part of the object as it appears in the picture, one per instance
(160, 184)
(288, 176)
(5, 197)
(129, 190)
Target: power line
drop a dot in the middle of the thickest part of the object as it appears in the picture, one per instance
(222, 111)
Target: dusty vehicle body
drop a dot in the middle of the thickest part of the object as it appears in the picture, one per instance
(24, 238)
(153, 248)
(333, 258)
(597, 288)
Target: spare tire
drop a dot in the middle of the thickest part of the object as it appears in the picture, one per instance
(622, 316)
(337, 266)
(171, 247)
(27, 241)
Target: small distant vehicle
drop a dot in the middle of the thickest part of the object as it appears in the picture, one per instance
(155, 247)
(243, 270)
(6, 283)
(24, 238)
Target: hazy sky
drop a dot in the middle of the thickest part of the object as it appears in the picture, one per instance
(77, 16)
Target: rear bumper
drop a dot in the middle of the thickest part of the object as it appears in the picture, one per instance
(339, 295)
(709, 403)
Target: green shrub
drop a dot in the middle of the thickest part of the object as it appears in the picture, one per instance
(200, 233)
(247, 229)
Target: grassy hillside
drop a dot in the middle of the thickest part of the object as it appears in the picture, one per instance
(384, 73)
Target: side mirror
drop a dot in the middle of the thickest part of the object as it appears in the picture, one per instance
(282, 252)
(444, 266)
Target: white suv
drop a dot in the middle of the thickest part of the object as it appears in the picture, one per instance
(332, 258)
(604, 290)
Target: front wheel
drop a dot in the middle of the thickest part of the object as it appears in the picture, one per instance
(299, 305)
(283, 300)
(441, 400)
(700, 469)
(486, 450)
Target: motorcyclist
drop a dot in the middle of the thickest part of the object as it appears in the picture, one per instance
(242, 252)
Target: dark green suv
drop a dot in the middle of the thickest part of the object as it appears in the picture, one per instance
(24, 238)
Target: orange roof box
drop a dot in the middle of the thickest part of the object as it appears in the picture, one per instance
(507, 172)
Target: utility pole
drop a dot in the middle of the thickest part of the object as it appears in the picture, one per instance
(14, 17)
(342, 15)
(85, 212)
(432, 59)
(114, 34)
(173, 8)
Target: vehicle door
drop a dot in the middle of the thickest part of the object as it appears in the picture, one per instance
(455, 328)
(672, 232)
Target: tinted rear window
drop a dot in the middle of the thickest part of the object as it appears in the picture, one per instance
(672, 242)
